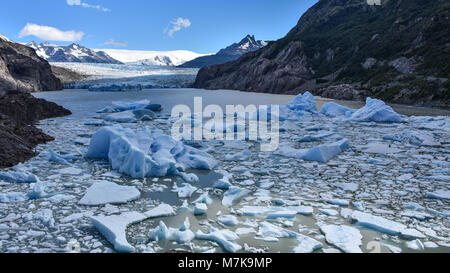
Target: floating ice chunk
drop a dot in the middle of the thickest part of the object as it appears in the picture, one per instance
(37, 191)
(18, 177)
(76, 216)
(13, 197)
(45, 216)
(181, 235)
(411, 233)
(346, 238)
(105, 192)
(339, 202)
(329, 212)
(377, 223)
(303, 210)
(234, 195)
(439, 194)
(228, 220)
(200, 209)
(430, 245)
(144, 114)
(186, 191)
(144, 153)
(287, 214)
(324, 153)
(224, 238)
(189, 177)
(359, 205)
(267, 229)
(244, 155)
(415, 245)
(306, 244)
(245, 231)
(253, 210)
(376, 111)
(124, 106)
(114, 228)
(204, 198)
(416, 214)
(335, 110)
(162, 210)
(55, 157)
(121, 117)
(303, 103)
(224, 183)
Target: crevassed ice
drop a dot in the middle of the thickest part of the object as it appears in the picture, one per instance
(146, 153)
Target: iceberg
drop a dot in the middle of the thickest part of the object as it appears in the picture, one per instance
(346, 238)
(267, 229)
(105, 192)
(55, 157)
(184, 192)
(303, 103)
(200, 209)
(333, 109)
(325, 152)
(121, 117)
(376, 111)
(181, 235)
(228, 220)
(146, 153)
(223, 237)
(234, 196)
(18, 177)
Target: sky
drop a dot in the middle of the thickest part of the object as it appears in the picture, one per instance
(203, 26)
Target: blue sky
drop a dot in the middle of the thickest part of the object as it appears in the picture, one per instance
(203, 26)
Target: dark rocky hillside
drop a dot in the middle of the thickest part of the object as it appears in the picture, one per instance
(21, 69)
(398, 52)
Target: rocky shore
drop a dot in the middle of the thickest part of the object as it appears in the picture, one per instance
(19, 111)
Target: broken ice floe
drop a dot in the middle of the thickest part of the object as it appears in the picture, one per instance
(114, 227)
(105, 192)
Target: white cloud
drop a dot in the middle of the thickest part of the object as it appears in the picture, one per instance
(176, 25)
(47, 33)
(86, 5)
(115, 43)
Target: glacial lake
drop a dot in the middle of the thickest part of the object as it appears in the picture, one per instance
(295, 181)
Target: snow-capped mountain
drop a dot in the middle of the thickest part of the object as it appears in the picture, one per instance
(248, 44)
(230, 53)
(158, 58)
(73, 53)
(4, 38)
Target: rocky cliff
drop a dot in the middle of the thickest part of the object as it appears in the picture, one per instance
(21, 69)
(18, 137)
(398, 51)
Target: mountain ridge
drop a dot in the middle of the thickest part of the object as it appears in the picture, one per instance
(71, 53)
(230, 53)
(398, 52)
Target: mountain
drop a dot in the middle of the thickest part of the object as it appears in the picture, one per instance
(73, 53)
(231, 53)
(158, 58)
(398, 51)
(4, 38)
(21, 69)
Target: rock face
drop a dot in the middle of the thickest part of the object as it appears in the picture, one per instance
(73, 53)
(22, 69)
(230, 53)
(398, 52)
(18, 137)
(67, 76)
